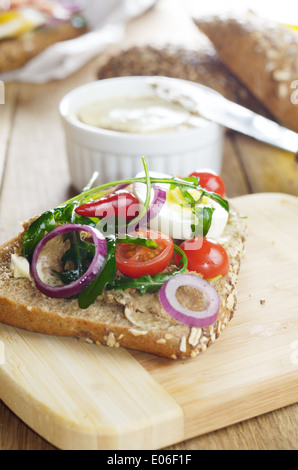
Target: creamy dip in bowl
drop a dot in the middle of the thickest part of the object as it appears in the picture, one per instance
(110, 124)
(139, 115)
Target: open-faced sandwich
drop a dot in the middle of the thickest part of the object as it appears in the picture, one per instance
(27, 27)
(149, 264)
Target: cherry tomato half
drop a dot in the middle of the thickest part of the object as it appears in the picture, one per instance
(136, 260)
(121, 204)
(211, 182)
(205, 256)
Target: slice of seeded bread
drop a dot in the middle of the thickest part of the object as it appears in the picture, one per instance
(16, 52)
(121, 318)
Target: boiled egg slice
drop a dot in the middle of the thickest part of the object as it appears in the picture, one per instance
(176, 217)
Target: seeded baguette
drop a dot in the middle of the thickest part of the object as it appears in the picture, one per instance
(263, 55)
(119, 318)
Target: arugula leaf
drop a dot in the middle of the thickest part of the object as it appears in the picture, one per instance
(106, 277)
(37, 230)
(149, 283)
(204, 216)
(48, 221)
(80, 252)
(202, 213)
(193, 179)
(95, 193)
(137, 241)
(207, 219)
(64, 214)
(78, 255)
(67, 276)
(184, 190)
(216, 197)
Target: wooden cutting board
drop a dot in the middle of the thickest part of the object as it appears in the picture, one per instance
(82, 396)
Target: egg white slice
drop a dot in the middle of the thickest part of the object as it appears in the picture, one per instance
(176, 218)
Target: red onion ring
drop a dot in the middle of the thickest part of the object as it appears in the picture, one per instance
(154, 209)
(198, 319)
(95, 267)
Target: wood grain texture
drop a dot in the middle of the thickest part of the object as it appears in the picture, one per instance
(81, 396)
(265, 432)
(7, 112)
(268, 169)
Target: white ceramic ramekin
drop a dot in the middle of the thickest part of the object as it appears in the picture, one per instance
(117, 155)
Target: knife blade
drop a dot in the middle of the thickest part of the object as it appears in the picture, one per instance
(210, 104)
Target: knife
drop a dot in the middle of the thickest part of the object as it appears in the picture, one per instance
(205, 102)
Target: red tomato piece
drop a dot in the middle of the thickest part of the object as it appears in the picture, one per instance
(211, 182)
(121, 204)
(205, 256)
(136, 260)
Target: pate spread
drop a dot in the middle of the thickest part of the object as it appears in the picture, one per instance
(140, 115)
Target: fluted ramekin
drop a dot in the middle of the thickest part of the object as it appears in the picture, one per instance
(117, 155)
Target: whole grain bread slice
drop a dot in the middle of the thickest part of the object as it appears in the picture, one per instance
(120, 318)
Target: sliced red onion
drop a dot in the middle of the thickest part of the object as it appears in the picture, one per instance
(154, 209)
(95, 267)
(198, 319)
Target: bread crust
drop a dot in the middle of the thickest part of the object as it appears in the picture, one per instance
(201, 66)
(263, 55)
(107, 320)
(16, 52)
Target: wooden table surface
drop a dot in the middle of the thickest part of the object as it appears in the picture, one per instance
(34, 176)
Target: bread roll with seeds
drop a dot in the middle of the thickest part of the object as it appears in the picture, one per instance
(263, 55)
(201, 66)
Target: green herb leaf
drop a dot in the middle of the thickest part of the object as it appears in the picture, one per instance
(137, 241)
(94, 193)
(64, 214)
(149, 283)
(207, 219)
(216, 197)
(79, 253)
(37, 230)
(48, 221)
(106, 277)
(204, 217)
(67, 276)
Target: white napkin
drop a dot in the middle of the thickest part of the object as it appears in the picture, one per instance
(106, 20)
